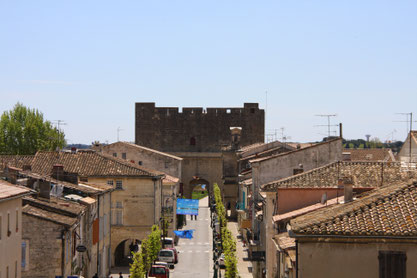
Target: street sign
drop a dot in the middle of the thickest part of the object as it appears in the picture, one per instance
(187, 206)
(81, 248)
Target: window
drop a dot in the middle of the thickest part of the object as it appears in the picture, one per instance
(392, 264)
(8, 225)
(23, 254)
(110, 182)
(17, 221)
(124, 155)
(192, 141)
(119, 205)
(119, 184)
(119, 217)
(115, 154)
(140, 162)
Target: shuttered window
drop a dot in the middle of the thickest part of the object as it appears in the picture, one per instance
(392, 264)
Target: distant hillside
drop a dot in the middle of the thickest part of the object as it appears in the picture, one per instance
(375, 143)
(78, 146)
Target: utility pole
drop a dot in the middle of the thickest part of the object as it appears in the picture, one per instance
(328, 116)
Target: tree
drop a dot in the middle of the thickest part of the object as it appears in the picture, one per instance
(24, 131)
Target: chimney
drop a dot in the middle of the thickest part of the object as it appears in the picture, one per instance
(27, 167)
(12, 175)
(347, 185)
(58, 172)
(73, 150)
(44, 189)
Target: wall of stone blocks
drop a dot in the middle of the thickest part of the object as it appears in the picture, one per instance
(167, 129)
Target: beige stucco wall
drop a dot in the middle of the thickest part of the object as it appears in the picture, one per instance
(404, 153)
(347, 260)
(10, 246)
(141, 208)
(150, 159)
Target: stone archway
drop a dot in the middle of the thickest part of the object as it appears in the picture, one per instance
(123, 251)
(199, 188)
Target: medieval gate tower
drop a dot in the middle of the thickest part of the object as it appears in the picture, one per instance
(198, 136)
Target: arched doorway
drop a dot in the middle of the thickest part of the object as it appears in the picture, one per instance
(123, 252)
(200, 188)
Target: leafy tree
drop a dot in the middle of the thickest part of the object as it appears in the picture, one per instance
(24, 131)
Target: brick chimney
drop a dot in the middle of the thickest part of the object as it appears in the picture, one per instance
(58, 172)
(347, 184)
(44, 189)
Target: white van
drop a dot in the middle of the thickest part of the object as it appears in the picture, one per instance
(168, 242)
(168, 256)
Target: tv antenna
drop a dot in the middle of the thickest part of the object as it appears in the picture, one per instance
(328, 116)
(409, 119)
(118, 131)
(58, 124)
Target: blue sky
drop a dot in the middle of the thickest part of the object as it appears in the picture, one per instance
(88, 62)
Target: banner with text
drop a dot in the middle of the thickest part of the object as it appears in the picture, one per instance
(187, 206)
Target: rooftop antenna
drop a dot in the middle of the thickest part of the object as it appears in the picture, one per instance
(328, 116)
(409, 119)
(59, 123)
(118, 131)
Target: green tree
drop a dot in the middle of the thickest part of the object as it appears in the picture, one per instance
(24, 131)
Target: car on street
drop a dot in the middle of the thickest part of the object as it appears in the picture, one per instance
(175, 254)
(168, 256)
(168, 242)
(159, 271)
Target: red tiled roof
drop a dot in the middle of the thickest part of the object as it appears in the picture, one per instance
(369, 154)
(386, 211)
(89, 164)
(49, 215)
(17, 161)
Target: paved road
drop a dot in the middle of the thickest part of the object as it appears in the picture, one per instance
(195, 257)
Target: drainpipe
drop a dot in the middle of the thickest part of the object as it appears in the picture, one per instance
(98, 243)
(63, 252)
(296, 259)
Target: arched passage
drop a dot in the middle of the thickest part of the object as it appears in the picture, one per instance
(199, 188)
(123, 252)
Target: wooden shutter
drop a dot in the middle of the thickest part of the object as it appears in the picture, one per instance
(392, 264)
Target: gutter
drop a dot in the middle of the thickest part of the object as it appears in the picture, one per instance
(294, 235)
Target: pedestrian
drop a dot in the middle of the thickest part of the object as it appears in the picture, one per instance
(95, 276)
(120, 275)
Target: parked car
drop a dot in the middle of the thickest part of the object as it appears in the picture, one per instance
(168, 256)
(161, 263)
(220, 261)
(168, 242)
(175, 254)
(159, 271)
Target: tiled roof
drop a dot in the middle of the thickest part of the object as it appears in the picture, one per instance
(363, 174)
(49, 215)
(369, 154)
(250, 147)
(89, 164)
(128, 144)
(387, 211)
(17, 161)
(301, 211)
(8, 190)
(291, 152)
(87, 188)
(57, 205)
(284, 241)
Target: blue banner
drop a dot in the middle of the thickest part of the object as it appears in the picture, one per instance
(184, 233)
(187, 206)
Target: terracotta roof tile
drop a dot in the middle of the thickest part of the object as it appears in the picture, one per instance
(386, 211)
(87, 164)
(363, 174)
(49, 215)
(15, 160)
(369, 154)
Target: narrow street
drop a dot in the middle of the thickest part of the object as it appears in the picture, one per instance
(195, 257)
